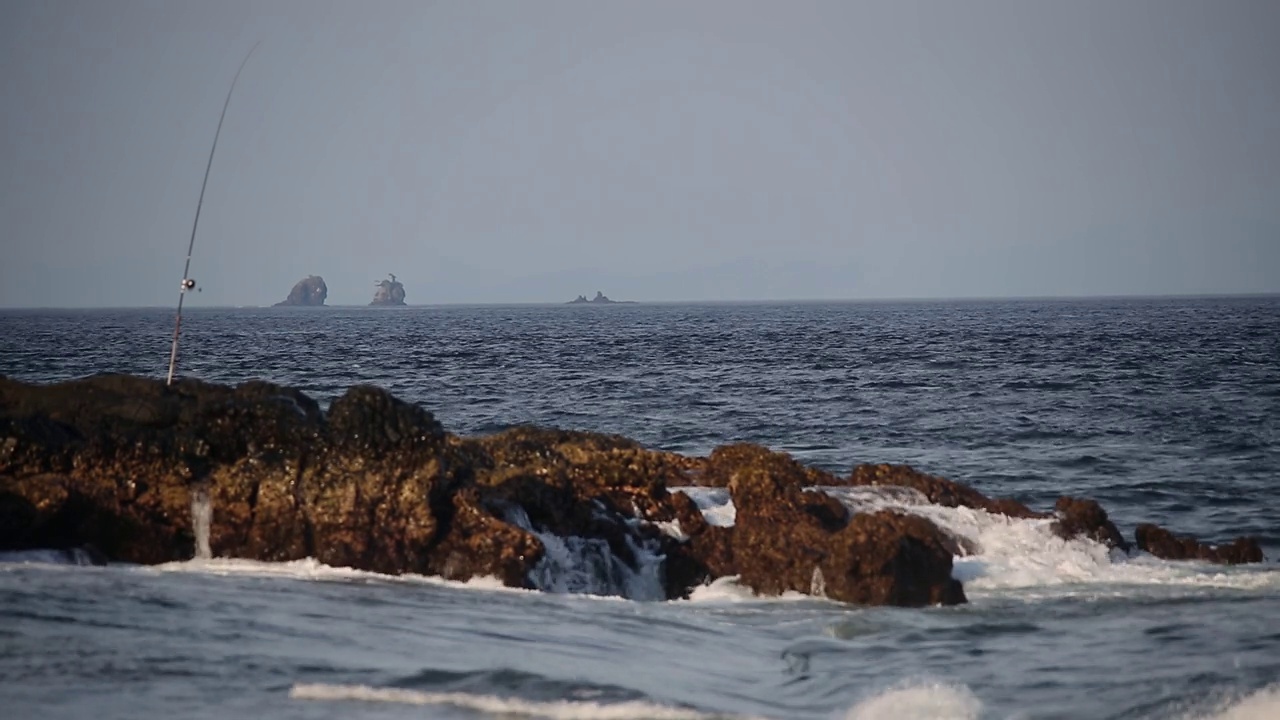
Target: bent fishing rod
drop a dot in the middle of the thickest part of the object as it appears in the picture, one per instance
(187, 282)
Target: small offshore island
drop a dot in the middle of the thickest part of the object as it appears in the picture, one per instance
(389, 293)
(310, 291)
(599, 299)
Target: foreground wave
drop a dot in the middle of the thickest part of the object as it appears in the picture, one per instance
(921, 701)
(506, 706)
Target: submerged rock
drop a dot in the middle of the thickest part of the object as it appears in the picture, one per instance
(308, 292)
(113, 463)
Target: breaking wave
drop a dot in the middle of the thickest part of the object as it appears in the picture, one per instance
(73, 556)
(314, 570)
(1263, 704)
(1025, 556)
(1022, 556)
(714, 503)
(929, 701)
(505, 706)
(588, 566)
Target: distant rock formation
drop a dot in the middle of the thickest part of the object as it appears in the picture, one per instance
(309, 292)
(599, 299)
(390, 292)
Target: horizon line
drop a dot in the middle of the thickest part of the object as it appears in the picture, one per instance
(730, 301)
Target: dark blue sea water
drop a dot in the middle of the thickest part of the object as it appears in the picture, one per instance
(1165, 410)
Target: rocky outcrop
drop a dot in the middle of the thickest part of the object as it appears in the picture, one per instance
(309, 292)
(1164, 544)
(1081, 517)
(939, 491)
(788, 539)
(109, 467)
(389, 293)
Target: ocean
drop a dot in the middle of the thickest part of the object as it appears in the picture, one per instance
(1165, 410)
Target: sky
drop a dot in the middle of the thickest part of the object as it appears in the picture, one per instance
(494, 152)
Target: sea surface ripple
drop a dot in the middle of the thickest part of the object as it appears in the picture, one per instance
(1165, 410)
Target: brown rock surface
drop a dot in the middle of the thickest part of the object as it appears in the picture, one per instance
(111, 463)
(938, 490)
(882, 558)
(1164, 544)
(727, 460)
(1081, 517)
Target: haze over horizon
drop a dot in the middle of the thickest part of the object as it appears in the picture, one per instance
(659, 151)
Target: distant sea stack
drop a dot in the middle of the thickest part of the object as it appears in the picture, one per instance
(309, 292)
(390, 292)
(599, 299)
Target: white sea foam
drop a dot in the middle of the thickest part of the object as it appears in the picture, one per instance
(1024, 556)
(672, 528)
(909, 701)
(721, 590)
(587, 566)
(312, 569)
(715, 504)
(201, 521)
(493, 704)
(928, 701)
(1261, 705)
(74, 556)
(729, 590)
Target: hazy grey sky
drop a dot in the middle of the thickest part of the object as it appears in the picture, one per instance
(532, 151)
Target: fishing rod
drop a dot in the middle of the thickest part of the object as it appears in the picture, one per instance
(187, 282)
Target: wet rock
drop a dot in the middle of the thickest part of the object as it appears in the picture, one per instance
(787, 539)
(478, 544)
(308, 292)
(1082, 517)
(376, 483)
(114, 461)
(719, 469)
(939, 491)
(782, 529)
(1164, 544)
(609, 469)
(706, 553)
(590, 486)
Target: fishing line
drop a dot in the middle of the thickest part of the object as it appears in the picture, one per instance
(187, 282)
